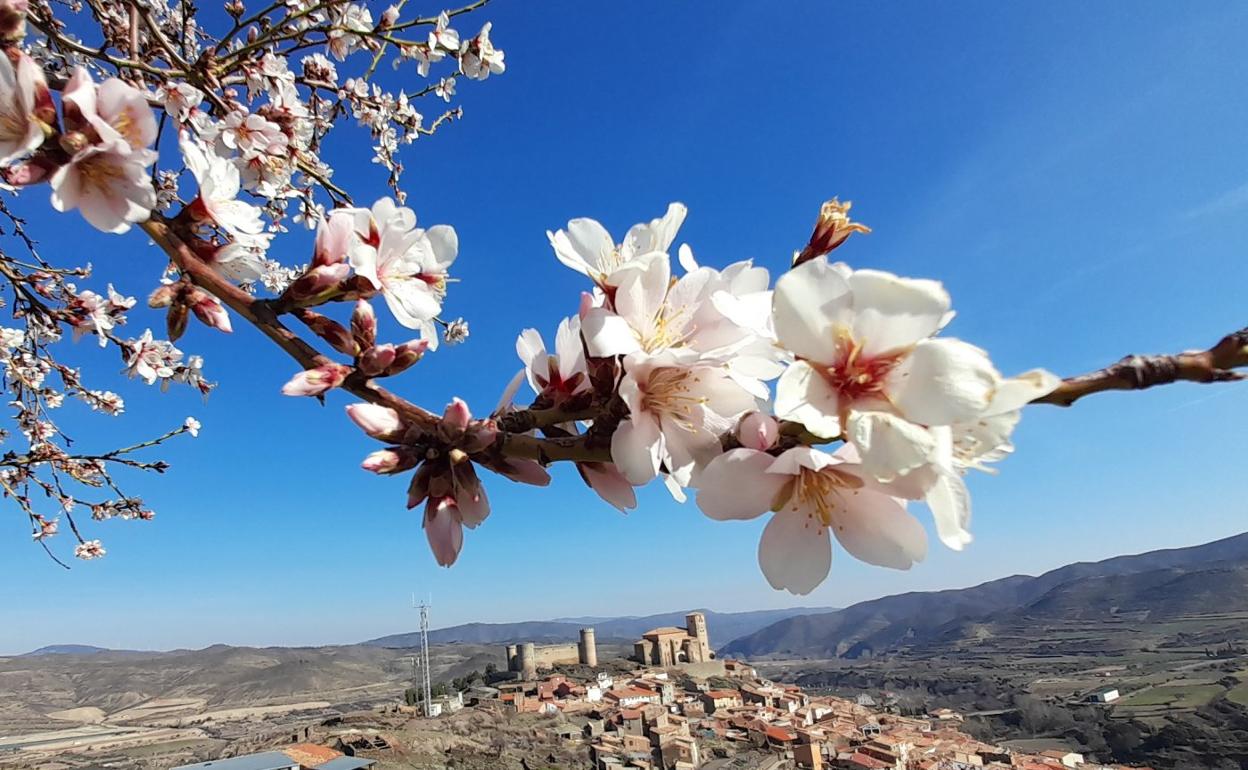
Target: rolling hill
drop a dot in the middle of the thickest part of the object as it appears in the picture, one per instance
(722, 626)
(1171, 582)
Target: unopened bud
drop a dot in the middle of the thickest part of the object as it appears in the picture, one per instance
(406, 355)
(364, 325)
(377, 359)
(317, 284)
(209, 310)
(379, 422)
(758, 431)
(314, 382)
(332, 332)
(392, 460)
(253, 34)
(235, 9)
(389, 17)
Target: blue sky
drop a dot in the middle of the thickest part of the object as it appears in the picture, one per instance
(1076, 174)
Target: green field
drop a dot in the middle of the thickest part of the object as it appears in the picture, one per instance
(1175, 696)
(1239, 695)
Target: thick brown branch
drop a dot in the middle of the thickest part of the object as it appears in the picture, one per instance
(1217, 364)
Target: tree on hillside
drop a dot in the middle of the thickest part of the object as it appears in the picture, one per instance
(211, 135)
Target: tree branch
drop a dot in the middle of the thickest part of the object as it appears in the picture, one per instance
(1217, 364)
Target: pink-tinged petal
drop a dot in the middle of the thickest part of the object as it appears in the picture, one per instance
(942, 382)
(444, 530)
(606, 480)
(876, 529)
(950, 503)
(792, 461)
(808, 302)
(569, 348)
(377, 421)
(525, 471)
(758, 431)
(314, 382)
(804, 396)
(457, 415)
(736, 485)
(889, 446)
(364, 324)
(1017, 392)
(509, 394)
(795, 552)
(636, 449)
(473, 504)
(608, 334)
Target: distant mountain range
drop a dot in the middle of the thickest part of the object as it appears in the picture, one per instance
(1181, 581)
(722, 627)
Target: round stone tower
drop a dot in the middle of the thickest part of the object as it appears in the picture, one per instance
(528, 660)
(588, 648)
(513, 663)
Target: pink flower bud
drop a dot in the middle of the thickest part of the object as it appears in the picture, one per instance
(376, 360)
(758, 431)
(209, 310)
(314, 382)
(318, 283)
(332, 332)
(379, 422)
(364, 325)
(457, 415)
(333, 237)
(406, 355)
(389, 17)
(392, 460)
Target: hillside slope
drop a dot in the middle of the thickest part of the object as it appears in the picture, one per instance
(1171, 581)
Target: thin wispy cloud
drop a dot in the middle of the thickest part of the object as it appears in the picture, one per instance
(1231, 201)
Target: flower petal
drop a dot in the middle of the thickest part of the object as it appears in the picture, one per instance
(878, 530)
(808, 302)
(736, 485)
(890, 447)
(943, 381)
(636, 447)
(950, 503)
(803, 395)
(795, 553)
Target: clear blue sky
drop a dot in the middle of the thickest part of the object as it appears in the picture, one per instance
(1077, 175)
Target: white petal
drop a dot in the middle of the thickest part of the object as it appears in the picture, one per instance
(889, 446)
(950, 503)
(877, 529)
(445, 244)
(532, 351)
(893, 312)
(412, 302)
(636, 447)
(607, 334)
(795, 552)
(610, 484)
(808, 302)
(568, 347)
(1017, 392)
(943, 381)
(736, 485)
(685, 257)
(803, 395)
(590, 243)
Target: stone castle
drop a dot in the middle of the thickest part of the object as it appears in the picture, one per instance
(527, 658)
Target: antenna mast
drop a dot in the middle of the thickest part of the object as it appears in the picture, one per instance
(425, 683)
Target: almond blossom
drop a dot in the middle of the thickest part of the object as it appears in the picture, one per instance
(20, 88)
(813, 495)
(479, 58)
(678, 407)
(589, 249)
(408, 265)
(864, 345)
(557, 378)
(218, 189)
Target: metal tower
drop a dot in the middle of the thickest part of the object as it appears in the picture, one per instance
(426, 687)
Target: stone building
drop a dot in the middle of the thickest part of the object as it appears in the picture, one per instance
(672, 646)
(527, 658)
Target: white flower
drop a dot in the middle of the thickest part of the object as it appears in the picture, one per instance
(20, 132)
(240, 262)
(181, 101)
(442, 34)
(865, 353)
(407, 264)
(343, 39)
(218, 186)
(588, 248)
(91, 549)
(677, 410)
(814, 495)
(559, 376)
(252, 135)
(479, 58)
(151, 359)
(108, 183)
(192, 426)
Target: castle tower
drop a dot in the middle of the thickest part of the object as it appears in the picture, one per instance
(528, 661)
(695, 623)
(587, 650)
(513, 663)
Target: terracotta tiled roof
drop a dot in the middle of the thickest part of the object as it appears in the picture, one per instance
(310, 754)
(780, 734)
